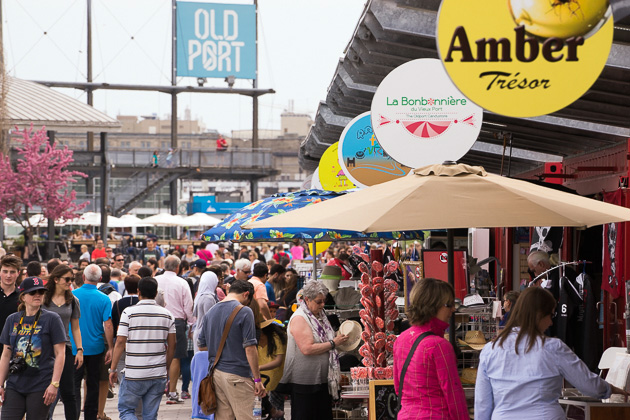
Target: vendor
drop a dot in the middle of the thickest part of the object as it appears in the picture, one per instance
(505, 389)
(508, 303)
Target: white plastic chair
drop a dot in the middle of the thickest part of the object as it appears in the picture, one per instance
(608, 358)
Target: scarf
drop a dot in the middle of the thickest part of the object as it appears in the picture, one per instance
(322, 329)
(207, 287)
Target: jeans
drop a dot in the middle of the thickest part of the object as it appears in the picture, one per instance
(16, 404)
(185, 370)
(132, 392)
(66, 389)
(92, 368)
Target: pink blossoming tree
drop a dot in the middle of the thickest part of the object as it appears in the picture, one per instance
(38, 182)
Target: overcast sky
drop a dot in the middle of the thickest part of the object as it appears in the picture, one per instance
(300, 43)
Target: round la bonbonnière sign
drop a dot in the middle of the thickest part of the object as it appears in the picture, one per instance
(420, 118)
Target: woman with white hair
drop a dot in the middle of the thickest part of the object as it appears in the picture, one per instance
(206, 298)
(311, 370)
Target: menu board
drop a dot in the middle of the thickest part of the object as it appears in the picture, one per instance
(383, 400)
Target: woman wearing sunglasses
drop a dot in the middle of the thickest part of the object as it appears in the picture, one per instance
(60, 299)
(33, 356)
(521, 371)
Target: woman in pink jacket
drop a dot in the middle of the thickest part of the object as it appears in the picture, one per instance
(432, 389)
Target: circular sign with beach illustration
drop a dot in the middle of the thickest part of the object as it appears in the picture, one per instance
(363, 159)
(331, 175)
(420, 118)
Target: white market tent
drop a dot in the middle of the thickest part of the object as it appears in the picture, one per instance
(163, 219)
(131, 220)
(199, 219)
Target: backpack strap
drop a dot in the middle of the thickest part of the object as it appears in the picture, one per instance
(406, 365)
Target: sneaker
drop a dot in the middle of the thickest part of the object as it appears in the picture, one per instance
(174, 399)
(185, 395)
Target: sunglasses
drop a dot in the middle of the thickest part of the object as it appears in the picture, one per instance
(37, 292)
(119, 259)
(68, 279)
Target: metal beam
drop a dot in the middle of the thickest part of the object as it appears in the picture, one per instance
(154, 88)
(578, 124)
(105, 175)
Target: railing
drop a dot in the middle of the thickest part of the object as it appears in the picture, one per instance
(203, 158)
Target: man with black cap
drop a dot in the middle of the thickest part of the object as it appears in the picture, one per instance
(198, 267)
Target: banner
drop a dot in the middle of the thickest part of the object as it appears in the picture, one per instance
(216, 40)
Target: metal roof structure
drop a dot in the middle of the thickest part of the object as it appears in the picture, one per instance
(392, 32)
(28, 102)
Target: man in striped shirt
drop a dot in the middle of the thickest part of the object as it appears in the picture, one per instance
(147, 332)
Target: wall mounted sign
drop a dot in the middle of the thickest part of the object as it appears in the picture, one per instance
(420, 118)
(524, 58)
(331, 175)
(216, 40)
(363, 159)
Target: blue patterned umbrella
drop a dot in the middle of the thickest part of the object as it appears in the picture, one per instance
(230, 227)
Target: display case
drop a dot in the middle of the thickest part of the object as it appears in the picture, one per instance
(475, 327)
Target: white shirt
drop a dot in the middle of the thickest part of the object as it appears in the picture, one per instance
(177, 296)
(528, 385)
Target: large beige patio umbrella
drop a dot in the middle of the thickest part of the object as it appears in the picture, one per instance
(448, 197)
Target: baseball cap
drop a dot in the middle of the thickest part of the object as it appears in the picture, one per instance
(31, 283)
(199, 263)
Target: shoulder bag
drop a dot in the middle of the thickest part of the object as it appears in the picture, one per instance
(207, 396)
(406, 365)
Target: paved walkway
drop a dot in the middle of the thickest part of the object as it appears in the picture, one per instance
(167, 412)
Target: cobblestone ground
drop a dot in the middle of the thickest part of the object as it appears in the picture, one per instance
(167, 412)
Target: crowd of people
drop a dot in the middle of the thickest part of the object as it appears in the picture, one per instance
(144, 319)
(120, 311)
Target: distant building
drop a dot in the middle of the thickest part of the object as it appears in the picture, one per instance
(153, 133)
(291, 125)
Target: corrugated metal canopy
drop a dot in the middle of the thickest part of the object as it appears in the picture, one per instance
(392, 32)
(28, 102)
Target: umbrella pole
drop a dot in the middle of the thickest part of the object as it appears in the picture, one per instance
(314, 259)
(450, 262)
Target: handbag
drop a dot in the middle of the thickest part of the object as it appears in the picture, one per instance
(406, 365)
(207, 396)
